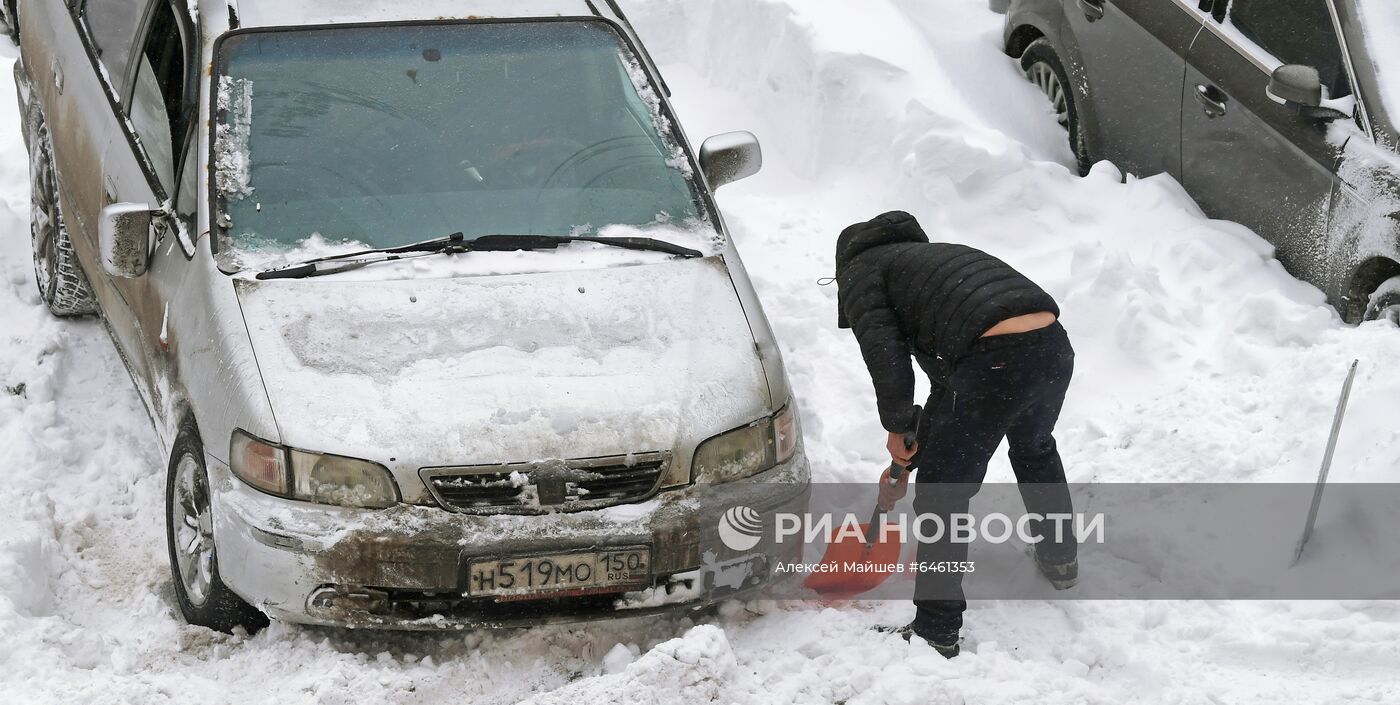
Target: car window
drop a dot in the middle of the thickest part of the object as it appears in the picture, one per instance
(1295, 32)
(158, 97)
(111, 27)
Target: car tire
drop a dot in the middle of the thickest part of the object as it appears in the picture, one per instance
(62, 284)
(203, 597)
(1384, 302)
(1042, 67)
(9, 23)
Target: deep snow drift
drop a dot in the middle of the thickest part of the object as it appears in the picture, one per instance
(1199, 359)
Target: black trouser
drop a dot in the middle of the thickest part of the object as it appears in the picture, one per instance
(1008, 387)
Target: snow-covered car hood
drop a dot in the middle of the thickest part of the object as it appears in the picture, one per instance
(495, 369)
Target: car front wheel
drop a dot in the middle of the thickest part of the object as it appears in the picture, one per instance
(194, 563)
(1043, 68)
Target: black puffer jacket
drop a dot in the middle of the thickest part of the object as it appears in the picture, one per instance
(903, 296)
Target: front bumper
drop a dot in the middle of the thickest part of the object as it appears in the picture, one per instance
(403, 568)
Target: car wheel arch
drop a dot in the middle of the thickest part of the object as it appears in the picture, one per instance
(1365, 279)
(184, 424)
(1020, 38)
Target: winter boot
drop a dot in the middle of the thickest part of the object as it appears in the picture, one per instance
(946, 644)
(1062, 575)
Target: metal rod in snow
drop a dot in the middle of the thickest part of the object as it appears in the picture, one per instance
(1326, 463)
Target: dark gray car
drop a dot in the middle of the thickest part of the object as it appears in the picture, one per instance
(1272, 113)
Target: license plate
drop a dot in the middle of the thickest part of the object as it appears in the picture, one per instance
(561, 573)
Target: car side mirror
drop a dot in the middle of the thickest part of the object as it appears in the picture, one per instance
(1299, 88)
(1295, 83)
(731, 156)
(124, 233)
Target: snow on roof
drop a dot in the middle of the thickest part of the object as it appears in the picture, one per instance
(273, 13)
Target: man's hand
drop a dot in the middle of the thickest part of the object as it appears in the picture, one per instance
(898, 452)
(890, 494)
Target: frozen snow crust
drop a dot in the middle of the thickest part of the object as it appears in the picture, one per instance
(1199, 360)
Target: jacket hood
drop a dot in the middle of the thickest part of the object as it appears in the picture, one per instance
(884, 229)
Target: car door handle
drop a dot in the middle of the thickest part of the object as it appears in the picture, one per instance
(1212, 100)
(1093, 9)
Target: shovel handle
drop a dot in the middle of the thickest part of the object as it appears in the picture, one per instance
(896, 472)
(910, 438)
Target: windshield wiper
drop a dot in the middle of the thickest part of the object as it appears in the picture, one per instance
(549, 242)
(452, 244)
(456, 243)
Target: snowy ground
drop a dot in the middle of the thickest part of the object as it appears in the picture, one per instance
(1199, 360)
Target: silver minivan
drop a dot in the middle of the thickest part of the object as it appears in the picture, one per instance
(430, 304)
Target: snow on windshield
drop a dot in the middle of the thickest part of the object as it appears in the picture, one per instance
(642, 83)
(389, 135)
(232, 165)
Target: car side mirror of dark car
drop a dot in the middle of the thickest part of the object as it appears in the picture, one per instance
(124, 233)
(731, 156)
(1299, 88)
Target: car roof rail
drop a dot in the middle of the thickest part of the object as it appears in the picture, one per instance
(615, 13)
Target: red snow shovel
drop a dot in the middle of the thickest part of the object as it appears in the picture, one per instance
(853, 565)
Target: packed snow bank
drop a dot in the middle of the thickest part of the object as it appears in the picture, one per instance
(1199, 360)
(27, 564)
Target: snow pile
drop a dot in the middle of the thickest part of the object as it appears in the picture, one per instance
(27, 564)
(703, 665)
(696, 667)
(1200, 359)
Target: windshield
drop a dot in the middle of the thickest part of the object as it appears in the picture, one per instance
(393, 134)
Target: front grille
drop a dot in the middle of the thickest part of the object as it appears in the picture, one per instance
(548, 486)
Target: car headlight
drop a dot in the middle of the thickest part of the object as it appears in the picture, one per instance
(747, 450)
(313, 477)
